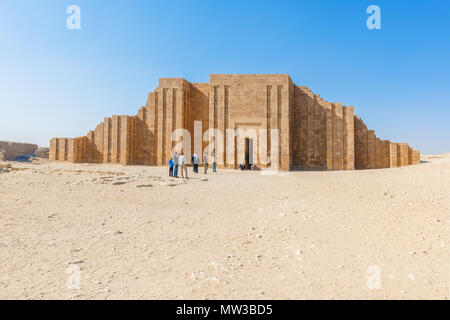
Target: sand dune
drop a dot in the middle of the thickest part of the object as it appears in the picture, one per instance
(132, 232)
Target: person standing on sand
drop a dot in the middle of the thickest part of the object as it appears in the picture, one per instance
(195, 161)
(170, 168)
(205, 162)
(175, 163)
(182, 163)
(214, 166)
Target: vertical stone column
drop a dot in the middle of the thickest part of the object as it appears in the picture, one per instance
(329, 129)
(71, 150)
(361, 147)
(152, 122)
(80, 156)
(213, 112)
(322, 156)
(371, 154)
(62, 150)
(161, 126)
(182, 116)
(170, 107)
(53, 154)
(107, 140)
(386, 147)
(275, 150)
(379, 153)
(115, 139)
(303, 129)
(338, 136)
(123, 143)
(138, 136)
(402, 154)
(310, 134)
(316, 155)
(222, 122)
(284, 120)
(90, 147)
(99, 139)
(349, 139)
(393, 155)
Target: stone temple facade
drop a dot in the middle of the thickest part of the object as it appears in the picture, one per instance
(266, 120)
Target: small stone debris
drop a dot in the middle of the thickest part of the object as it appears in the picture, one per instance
(117, 232)
(258, 236)
(78, 261)
(144, 186)
(4, 170)
(51, 215)
(118, 183)
(204, 179)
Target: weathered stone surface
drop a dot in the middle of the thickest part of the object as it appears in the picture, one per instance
(12, 150)
(288, 125)
(402, 154)
(2, 155)
(42, 153)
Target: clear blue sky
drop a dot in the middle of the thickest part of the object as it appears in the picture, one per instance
(60, 82)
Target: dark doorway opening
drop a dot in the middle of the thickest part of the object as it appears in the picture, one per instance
(247, 152)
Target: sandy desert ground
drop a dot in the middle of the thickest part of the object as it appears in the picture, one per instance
(134, 233)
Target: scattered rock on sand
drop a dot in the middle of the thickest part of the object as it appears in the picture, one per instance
(78, 261)
(118, 183)
(42, 153)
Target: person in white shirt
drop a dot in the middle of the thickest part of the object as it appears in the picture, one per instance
(182, 164)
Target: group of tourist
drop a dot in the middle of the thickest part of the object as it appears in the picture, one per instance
(179, 161)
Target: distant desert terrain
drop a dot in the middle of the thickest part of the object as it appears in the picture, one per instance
(131, 232)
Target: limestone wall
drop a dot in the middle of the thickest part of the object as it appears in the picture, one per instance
(10, 150)
(314, 134)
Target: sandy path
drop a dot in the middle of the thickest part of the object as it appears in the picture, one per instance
(293, 235)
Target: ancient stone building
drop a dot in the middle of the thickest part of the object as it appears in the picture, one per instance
(11, 150)
(262, 119)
